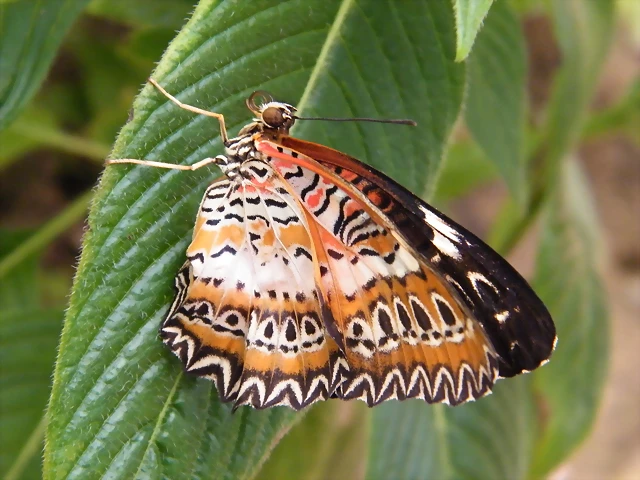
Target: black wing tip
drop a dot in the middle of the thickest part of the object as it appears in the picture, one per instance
(526, 360)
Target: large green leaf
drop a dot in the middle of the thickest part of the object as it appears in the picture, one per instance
(120, 405)
(404, 69)
(495, 110)
(469, 17)
(30, 33)
(488, 439)
(568, 281)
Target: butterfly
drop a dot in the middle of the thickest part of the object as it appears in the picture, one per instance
(311, 275)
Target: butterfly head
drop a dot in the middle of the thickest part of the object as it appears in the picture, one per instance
(271, 114)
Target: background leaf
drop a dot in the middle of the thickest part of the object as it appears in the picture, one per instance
(568, 281)
(469, 17)
(119, 401)
(495, 109)
(22, 289)
(488, 439)
(583, 30)
(30, 33)
(28, 339)
(464, 168)
(329, 442)
(145, 13)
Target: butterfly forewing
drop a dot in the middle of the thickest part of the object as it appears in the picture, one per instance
(516, 321)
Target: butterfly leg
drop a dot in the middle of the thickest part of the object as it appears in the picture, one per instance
(218, 160)
(219, 116)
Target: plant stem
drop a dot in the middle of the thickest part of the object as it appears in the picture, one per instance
(61, 140)
(30, 448)
(47, 233)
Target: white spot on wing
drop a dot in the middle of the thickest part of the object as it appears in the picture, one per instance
(476, 277)
(434, 221)
(445, 246)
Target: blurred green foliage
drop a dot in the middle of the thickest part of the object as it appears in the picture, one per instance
(120, 406)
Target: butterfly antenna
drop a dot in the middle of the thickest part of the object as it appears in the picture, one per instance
(394, 121)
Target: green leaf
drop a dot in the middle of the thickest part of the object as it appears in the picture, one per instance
(469, 17)
(28, 339)
(143, 13)
(30, 33)
(36, 128)
(567, 279)
(22, 288)
(44, 235)
(495, 110)
(327, 443)
(403, 69)
(465, 168)
(488, 439)
(584, 31)
(120, 405)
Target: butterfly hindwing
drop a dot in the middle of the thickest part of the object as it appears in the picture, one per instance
(209, 341)
(246, 313)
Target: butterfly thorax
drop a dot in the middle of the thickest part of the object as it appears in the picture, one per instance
(272, 120)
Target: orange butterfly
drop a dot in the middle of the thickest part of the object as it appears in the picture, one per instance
(312, 275)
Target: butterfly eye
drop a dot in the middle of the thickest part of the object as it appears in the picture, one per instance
(274, 117)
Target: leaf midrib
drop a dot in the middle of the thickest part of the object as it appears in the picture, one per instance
(332, 35)
(159, 420)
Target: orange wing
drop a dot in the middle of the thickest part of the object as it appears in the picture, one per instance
(515, 320)
(404, 331)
